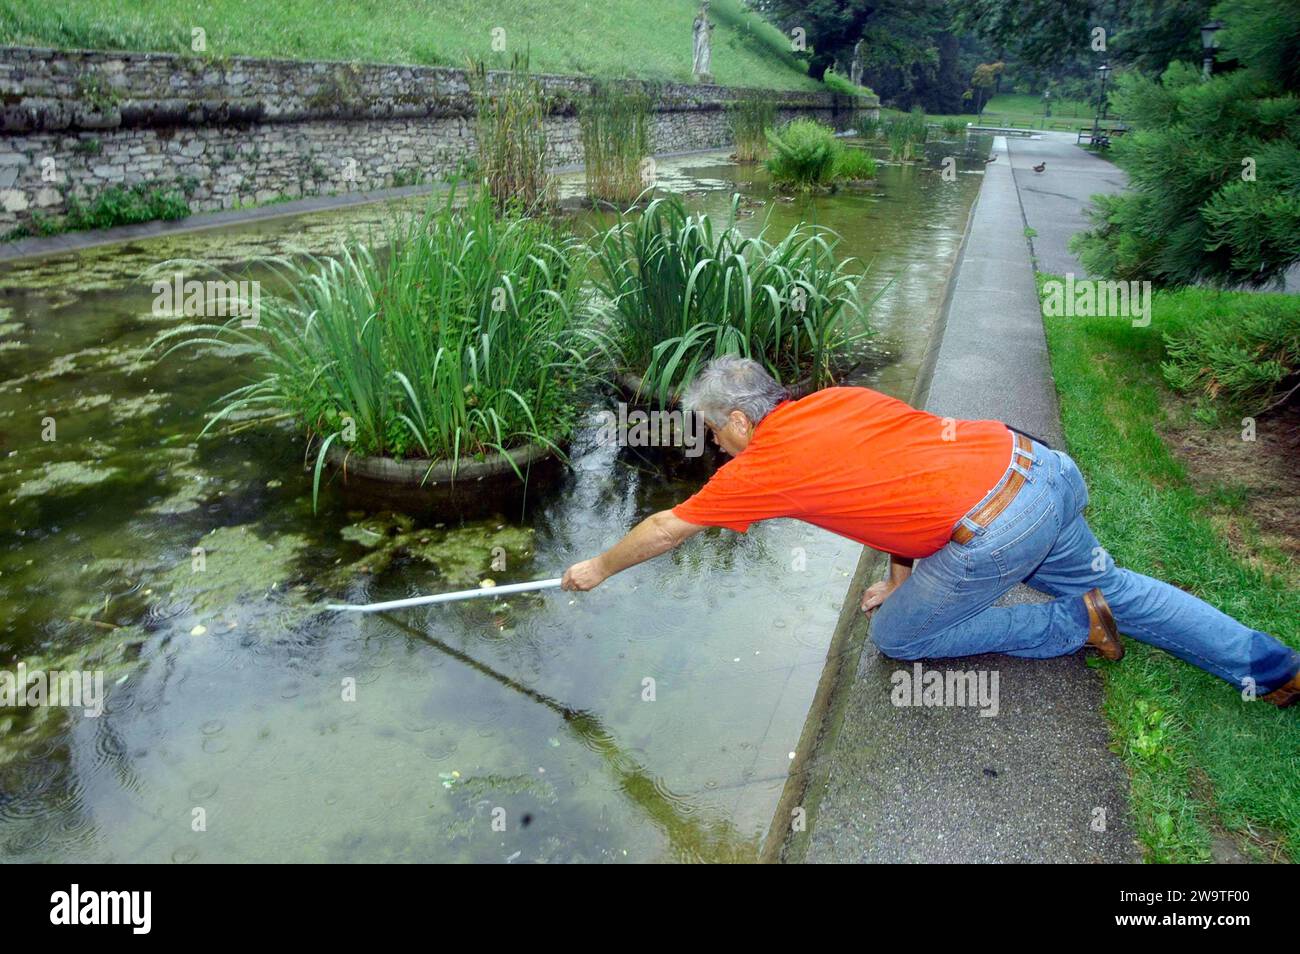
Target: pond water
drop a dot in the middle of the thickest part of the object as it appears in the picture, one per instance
(652, 719)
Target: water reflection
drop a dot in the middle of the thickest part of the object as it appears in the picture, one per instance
(691, 839)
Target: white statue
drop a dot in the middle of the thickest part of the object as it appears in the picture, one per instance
(703, 62)
(855, 65)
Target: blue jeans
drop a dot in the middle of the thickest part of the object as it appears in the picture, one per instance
(944, 608)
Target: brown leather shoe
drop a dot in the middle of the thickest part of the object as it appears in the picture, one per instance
(1285, 695)
(1103, 635)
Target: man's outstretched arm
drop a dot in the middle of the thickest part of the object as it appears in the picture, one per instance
(656, 534)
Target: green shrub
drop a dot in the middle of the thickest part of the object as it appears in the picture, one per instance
(128, 205)
(803, 153)
(953, 126)
(39, 225)
(615, 139)
(1240, 348)
(750, 118)
(462, 338)
(851, 163)
(681, 288)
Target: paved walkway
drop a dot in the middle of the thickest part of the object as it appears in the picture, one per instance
(946, 784)
(1053, 199)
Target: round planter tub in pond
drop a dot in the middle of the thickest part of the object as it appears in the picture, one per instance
(478, 488)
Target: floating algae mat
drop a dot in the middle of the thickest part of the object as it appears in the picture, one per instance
(649, 720)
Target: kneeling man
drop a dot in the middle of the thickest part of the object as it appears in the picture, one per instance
(966, 509)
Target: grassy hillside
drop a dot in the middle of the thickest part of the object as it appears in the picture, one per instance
(648, 40)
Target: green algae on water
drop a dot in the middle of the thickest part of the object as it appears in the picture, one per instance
(233, 562)
(191, 493)
(124, 409)
(66, 475)
(88, 402)
(463, 555)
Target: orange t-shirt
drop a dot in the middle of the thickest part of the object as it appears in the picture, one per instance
(861, 464)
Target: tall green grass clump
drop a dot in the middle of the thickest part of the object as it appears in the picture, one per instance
(510, 121)
(906, 135)
(803, 154)
(869, 126)
(953, 126)
(851, 163)
(615, 124)
(682, 288)
(462, 338)
(751, 117)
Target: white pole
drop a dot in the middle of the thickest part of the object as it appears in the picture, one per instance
(447, 597)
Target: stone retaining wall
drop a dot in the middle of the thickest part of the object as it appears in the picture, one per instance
(239, 131)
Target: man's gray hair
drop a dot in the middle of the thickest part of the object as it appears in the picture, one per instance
(730, 383)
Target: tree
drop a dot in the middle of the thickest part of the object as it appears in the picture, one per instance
(831, 26)
(1145, 34)
(984, 77)
(1265, 37)
(915, 58)
(940, 89)
(1213, 165)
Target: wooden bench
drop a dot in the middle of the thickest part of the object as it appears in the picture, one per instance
(1100, 136)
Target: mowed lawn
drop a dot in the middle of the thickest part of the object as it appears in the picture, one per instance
(1021, 110)
(610, 38)
(1029, 106)
(1206, 765)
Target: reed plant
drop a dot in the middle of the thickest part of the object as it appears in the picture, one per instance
(615, 122)
(462, 337)
(510, 108)
(853, 163)
(751, 116)
(907, 135)
(869, 125)
(681, 288)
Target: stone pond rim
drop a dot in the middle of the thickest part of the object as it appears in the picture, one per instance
(478, 487)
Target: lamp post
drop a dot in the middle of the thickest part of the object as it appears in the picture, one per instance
(1047, 105)
(1209, 43)
(1103, 71)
